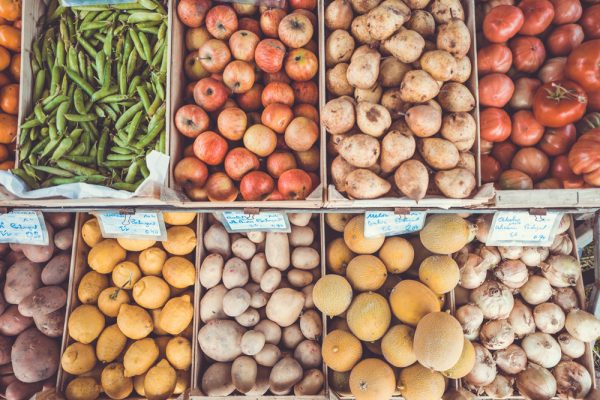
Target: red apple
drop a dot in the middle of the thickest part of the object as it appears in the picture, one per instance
(256, 186)
(301, 65)
(196, 193)
(250, 24)
(277, 92)
(221, 21)
(277, 116)
(210, 94)
(309, 160)
(279, 162)
(278, 76)
(303, 4)
(243, 44)
(250, 101)
(306, 92)
(191, 120)
(295, 30)
(214, 55)
(239, 162)
(190, 171)
(275, 196)
(311, 16)
(238, 76)
(191, 12)
(196, 37)
(232, 123)
(294, 184)
(193, 68)
(188, 151)
(210, 147)
(314, 178)
(269, 55)
(245, 8)
(189, 90)
(220, 187)
(269, 21)
(301, 134)
(306, 110)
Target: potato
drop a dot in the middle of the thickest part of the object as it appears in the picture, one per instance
(311, 325)
(418, 87)
(360, 150)
(258, 266)
(252, 342)
(285, 374)
(12, 322)
(308, 354)
(440, 64)
(340, 169)
(292, 336)
(5, 346)
(256, 237)
(360, 30)
(35, 357)
(268, 356)
(152, 260)
(424, 120)
(422, 22)
(243, 248)
(396, 147)
(235, 273)
(300, 219)
(457, 183)
(387, 18)
(338, 47)
(211, 270)
(270, 280)
(301, 236)
(63, 239)
(372, 119)
(248, 318)
(216, 240)
(243, 373)
(284, 306)
(311, 383)
(305, 258)
(364, 6)
(456, 97)
(463, 70)
(467, 161)
(417, 4)
(235, 302)
(56, 270)
(438, 153)
(43, 301)
(78, 358)
(337, 82)
(40, 254)
(83, 388)
(22, 279)
(406, 45)
(110, 344)
(364, 184)
(461, 129)
(364, 69)
(216, 380)
(59, 220)
(221, 340)
(391, 72)
(395, 105)
(308, 300)
(299, 278)
(445, 10)
(17, 390)
(258, 298)
(455, 38)
(412, 179)
(271, 330)
(277, 250)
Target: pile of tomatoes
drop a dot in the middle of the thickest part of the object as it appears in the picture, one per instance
(539, 73)
(252, 121)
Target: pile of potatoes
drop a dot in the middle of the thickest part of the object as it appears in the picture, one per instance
(399, 113)
(260, 330)
(132, 327)
(32, 309)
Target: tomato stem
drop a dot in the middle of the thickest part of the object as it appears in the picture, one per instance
(559, 93)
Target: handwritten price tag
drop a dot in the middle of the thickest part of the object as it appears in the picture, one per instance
(25, 227)
(510, 228)
(238, 221)
(141, 225)
(389, 224)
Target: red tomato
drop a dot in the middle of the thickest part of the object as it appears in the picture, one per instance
(583, 65)
(490, 169)
(538, 16)
(502, 23)
(528, 53)
(591, 22)
(564, 39)
(525, 89)
(557, 141)
(553, 70)
(584, 156)
(532, 161)
(504, 153)
(559, 103)
(495, 124)
(593, 101)
(495, 90)
(561, 170)
(494, 58)
(513, 179)
(566, 11)
(526, 131)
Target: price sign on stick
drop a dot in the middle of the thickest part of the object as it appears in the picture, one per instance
(239, 221)
(25, 227)
(141, 225)
(388, 223)
(519, 228)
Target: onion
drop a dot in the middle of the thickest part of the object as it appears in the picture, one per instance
(500, 388)
(536, 383)
(564, 225)
(458, 394)
(573, 381)
(461, 296)
(553, 70)
(483, 224)
(583, 326)
(562, 245)
(521, 319)
(470, 318)
(511, 252)
(570, 347)
(473, 271)
(494, 299)
(496, 335)
(549, 318)
(484, 370)
(566, 298)
(511, 360)
(513, 273)
(541, 349)
(536, 291)
(561, 271)
(490, 254)
(533, 256)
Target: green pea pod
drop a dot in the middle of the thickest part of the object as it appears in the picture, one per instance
(53, 171)
(64, 85)
(99, 111)
(87, 46)
(145, 46)
(81, 81)
(102, 147)
(156, 118)
(119, 141)
(20, 173)
(40, 146)
(129, 187)
(60, 54)
(103, 92)
(79, 102)
(77, 168)
(132, 172)
(148, 4)
(79, 150)
(144, 169)
(81, 118)
(117, 163)
(135, 82)
(65, 146)
(81, 63)
(25, 150)
(61, 116)
(80, 159)
(143, 16)
(128, 115)
(75, 134)
(94, 26)
(115, 98)
(72, 61)
(133, 126)
(131, 63)
(89, 16)
(37, 52)
(137, 44)
(54, 79)
(152, 30)
(123, 78)
(32, 123)
(49, 148)
(107, 46)
(38, 86)
(60, 10)
(158, 88)
(120, 157)
(162, 31)
(107, 74)
(109, 111)
(162, 142)
(39, 113)
(154, 106)
(144, 97)
(151, 135)
(53, 132)
(100, 62)
(121, 150)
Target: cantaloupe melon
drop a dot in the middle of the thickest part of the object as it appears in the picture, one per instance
(411, 301)
(369, 316)
(397, 254)
(438, 341)
(341, 350)
(366, 272)
(337, 221)
(446, 233)
(465, 364)
(397, 346)
(354, 236)
(419, 383)
(332, 294)
(439, 273)
(372, 379)
(338, 256)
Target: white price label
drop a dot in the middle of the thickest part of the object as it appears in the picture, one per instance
(25, 227)
(238, 221)
(388, 223)
(141, 225)
(519, 228)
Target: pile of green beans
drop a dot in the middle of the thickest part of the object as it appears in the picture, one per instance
(99, 95)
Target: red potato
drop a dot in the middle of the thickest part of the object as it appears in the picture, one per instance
(22, 279)
(35, 357)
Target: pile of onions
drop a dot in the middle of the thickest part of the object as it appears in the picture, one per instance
(583, 326)
(484, 371)
(512, 273)
(473, 270)
(496, 334)
(561, 270)
(500, 388)
(549, 318)
(470, 318)
(536, 383)
(536, 291)
(573, 381)
(566, 298)
(494, 299)
(564, 225)
(570, 347)
(483, 227)
(541, 349)
(511, 360)
(490, 254)
(521, 319)
(562, 245)
(510, 252)
(533, 256)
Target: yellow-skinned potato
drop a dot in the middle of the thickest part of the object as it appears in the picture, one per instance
(176, 315)
(78, 358)
(105, 255)
(179, 272)
(114, 382)
(110, 344)
(179, 218)
(83, 388)
(181, 240)
(135, 244)
(179, 352)
(85, 323)
(151, 261)
(90, 287)
(134, 321)
(126, 274)
(90, 232)
(151, 292)
(160, 381)
(140, 356)
(110, 300)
